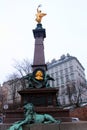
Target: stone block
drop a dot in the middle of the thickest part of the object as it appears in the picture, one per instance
(4, 126)
(74, 125)
(81, 125)
(52, 126)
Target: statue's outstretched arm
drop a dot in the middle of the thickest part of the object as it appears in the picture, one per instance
(37, 10)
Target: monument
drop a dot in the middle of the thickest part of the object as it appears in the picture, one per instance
(38, 92)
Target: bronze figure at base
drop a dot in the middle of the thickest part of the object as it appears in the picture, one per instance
(32, 117)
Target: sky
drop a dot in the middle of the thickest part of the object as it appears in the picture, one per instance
(65, 24)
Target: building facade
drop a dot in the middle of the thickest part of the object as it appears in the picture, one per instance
(10, 89)
(69, 76)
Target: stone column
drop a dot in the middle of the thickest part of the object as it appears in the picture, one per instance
(39, 58)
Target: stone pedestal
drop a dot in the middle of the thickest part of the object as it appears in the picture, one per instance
(41, 97)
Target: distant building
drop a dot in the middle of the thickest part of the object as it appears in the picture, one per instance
(69, 75)
(12, 87)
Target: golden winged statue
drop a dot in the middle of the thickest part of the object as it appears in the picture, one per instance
(39, 15)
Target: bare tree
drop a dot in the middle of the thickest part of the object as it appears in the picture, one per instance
(13, 76)
(75, 93)
(23, 67)
(71, 90)
(16, 79)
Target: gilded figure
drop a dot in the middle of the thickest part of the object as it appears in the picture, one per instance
(39, 15)
(39, 75)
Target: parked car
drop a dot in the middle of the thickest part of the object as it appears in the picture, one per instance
(74, 119)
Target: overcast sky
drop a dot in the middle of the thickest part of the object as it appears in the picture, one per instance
(65, 24)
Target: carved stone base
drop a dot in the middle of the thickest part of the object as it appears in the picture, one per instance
(42, 97)
(44, 100)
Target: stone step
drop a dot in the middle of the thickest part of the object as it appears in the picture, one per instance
(11, 120)
(63, 126)
(62, 119)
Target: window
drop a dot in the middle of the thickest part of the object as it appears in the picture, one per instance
(56, 68)
(56, 74)
(72, 76)
(70, 63)
(57, 81)
(66, 70)
(63, 87)
(61, 72)
(67, 78)
(71, 68)
(52, 75)
(62, 80)
(65, 64)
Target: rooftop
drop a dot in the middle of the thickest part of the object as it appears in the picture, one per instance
(62, 60)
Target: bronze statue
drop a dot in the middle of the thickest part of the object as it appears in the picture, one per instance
(32, 117)
(39, 15)
(38, 79)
